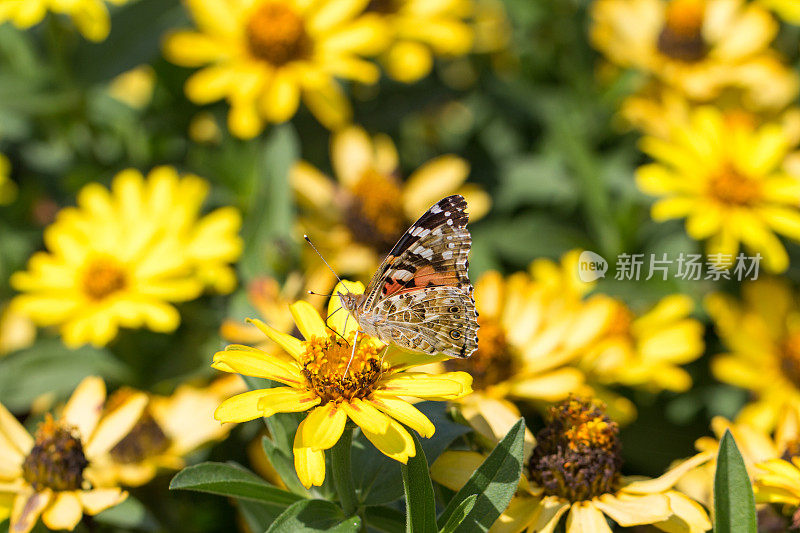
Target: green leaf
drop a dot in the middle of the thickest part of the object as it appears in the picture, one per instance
(386, 519)
(460, 514)
(420, 500)
(130, 514)
(377, 478)
(50, 367)
(232, 480)
(494, 483)
(309, 516)
(734, 504)
(258, 515)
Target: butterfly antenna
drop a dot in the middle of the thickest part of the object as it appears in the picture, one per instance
(320, 256)
(317, 293)
(333, 330)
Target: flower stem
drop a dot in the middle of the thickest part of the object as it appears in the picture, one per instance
(342, 475)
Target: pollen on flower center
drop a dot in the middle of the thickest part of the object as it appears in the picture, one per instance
(681, 38)
(102, 277)
(375, 214)
(146, 439)
(277, 34)
(730, 187)
(577, 454)
(492, 362)
(56, 460)
(324, 363)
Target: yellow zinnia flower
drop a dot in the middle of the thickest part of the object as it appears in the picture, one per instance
(120, 256)
(90, 16)
(699, 47)
(762, 335)
(575, 471)
(358, 218)
(169, 429)
(422, 29)
(321, 378)
(264, 55)
(777, 481)
(725, 176)
(646, 351)
(54, 473)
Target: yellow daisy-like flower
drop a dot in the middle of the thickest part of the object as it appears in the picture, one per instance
(422, 29)
(575, 471)
(762, 335)
(777, 481)
(89, 16)
(54, 473)
(120, 257)
(725, 176)
(169, 429)
(8, 189)
(646, 351)
(320, 377)
(699, 47)
(264, 55)
(756, 446)
(358, 218)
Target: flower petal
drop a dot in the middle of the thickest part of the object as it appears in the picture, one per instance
(242, 407)
(308, 463)
(669, 478)
(116, 424)
(552, 509)
(259, 364)
(323, 426)
(97, 500)
(395, 442)
(634, 510)
(27, 508)
(447, 386)
(405, 413)
(687, 515)
(584, 517)
(16, 434)
(454, 468)
(308, 320)
(286, 400)
(64, 513)
(85, 406)
(292, 345)
(366, 416)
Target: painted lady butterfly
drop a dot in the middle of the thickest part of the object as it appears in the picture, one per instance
(420, 298)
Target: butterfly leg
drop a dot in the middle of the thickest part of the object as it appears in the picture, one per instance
(352, 354)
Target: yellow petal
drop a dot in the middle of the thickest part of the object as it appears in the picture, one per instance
(669, 478)
(632, 511)
(85, 406)
(242, 407)
(16, 434)
(116, 424)
(293, 346)
(584, 517)
(258, 364)
(431, 182)
(450, 385)
(282, 97)
(552, 509)
(308, 463)
(97, 500)
(338, 317)
(405, 413)
(64, 513)
(308, 320)
(286, 400)
(366, 416)
(395, 443)
(328, 104)
(323, 426)
(454, 468)
(28, 506)
(687, 515)
(351, 154)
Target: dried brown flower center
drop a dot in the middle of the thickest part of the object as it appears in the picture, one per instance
(56, 460)
(577, 454)
(102, 277)
(730, 187)
(492, 362)
(277, 34)
(681, 38)
(146, 439)
(375, 214)
(325, 367)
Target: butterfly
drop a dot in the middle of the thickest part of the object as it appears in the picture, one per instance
(420, 298)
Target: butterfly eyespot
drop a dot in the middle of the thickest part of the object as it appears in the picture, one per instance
(454, 309)
(455, 334)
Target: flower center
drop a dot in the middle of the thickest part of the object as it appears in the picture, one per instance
(730, 187)
(682, 35)
(375, 215)
(102, 277)
(577, 454)
(790, 358)
(277, 34)
(492, 362)
(620, 324)
(56, 460)
(146, 439)
(325, 361)
(384, 7)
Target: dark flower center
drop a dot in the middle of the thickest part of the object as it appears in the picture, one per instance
(325, 361)
(577, 455)
(56, 460)
(102, 277)
(681, 38)
(492, 362)
(732, 188)
(277, 34)
(375, 214)
(146, 439)
(384, 7)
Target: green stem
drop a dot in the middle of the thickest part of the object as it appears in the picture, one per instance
(342, 474)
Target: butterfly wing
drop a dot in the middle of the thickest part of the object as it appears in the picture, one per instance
(436, 319)
(433, 252)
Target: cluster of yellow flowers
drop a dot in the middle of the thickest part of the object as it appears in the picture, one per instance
(713, 108)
